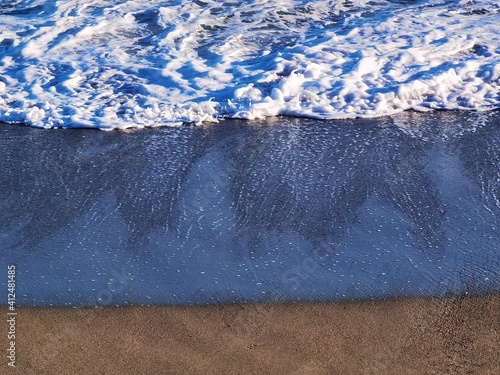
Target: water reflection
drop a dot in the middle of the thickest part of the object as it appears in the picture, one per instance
(286, 209)
(50, 179)
(314, 179)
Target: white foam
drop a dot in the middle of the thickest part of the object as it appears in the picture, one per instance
(134, 64)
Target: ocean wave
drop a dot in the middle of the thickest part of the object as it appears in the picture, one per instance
(120, 64)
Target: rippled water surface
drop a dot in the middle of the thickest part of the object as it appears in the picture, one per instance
(284, 210)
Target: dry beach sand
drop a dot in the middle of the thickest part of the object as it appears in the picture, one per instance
(457, 335)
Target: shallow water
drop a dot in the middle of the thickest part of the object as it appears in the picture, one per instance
(288, 209)
(119, 64)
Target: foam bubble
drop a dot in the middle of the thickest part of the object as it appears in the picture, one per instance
(107, 65)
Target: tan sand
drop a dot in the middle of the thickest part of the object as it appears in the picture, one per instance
(417, 336)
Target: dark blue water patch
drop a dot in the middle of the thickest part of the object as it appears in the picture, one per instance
(150, 19)
(5, 44)
(12, 11)
(21, 9)
(279, 210)
(481, 50)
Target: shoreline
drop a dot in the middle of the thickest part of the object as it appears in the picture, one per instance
(263, 211)
(196, 215)
(412, 336)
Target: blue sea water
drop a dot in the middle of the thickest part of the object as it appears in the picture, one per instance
(283, 210)
(121, 64)
(392, 203)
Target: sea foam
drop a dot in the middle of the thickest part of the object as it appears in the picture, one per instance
(109, 64)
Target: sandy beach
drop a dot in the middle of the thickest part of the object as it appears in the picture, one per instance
(457, 335)
(250, 187)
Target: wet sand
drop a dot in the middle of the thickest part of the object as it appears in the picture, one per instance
(270, 211)
(458, 335)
